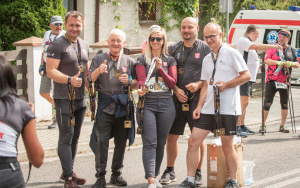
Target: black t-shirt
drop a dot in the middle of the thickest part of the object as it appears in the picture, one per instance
(63, 50)
(190, 59)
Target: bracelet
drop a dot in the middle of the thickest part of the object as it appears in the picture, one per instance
(69, 80)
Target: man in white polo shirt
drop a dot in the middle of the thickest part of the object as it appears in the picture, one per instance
(226, 68)
(248, 49)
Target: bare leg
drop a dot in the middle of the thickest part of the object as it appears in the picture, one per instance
(244, 103)
(284, 114)
(230, 155)
(192, 158)
(266, 113)
(172, 149)
(202, 152)
(48, 97)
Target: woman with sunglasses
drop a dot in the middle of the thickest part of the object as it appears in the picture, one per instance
(16, 117)
(157, 75)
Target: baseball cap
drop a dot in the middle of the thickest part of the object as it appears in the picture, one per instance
(56, 19)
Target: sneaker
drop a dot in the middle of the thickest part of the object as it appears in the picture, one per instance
(282, 129)
(198, 177)
(261, 129)
(167, 177)
(247, 130)
(100, 183)
(156, 182)
(152, 185)
(70, 183)
(241, 133)
(118, 180)
(53, 125)
(187, 184)
(231, 184)
(79, 181)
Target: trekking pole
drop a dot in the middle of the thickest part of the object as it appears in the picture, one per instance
(262, 129)
(291, 106)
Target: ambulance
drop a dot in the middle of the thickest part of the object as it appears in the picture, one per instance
(269, 23)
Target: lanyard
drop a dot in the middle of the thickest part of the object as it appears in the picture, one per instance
(152, 66)
(215, 62)
(183, 59)
(119, 60)
(50, 38)
(78, 53)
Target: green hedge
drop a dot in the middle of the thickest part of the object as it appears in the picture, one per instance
(21, 19)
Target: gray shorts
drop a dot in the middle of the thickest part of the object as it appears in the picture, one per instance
(246, 89)
(207, 121)
(46, 84)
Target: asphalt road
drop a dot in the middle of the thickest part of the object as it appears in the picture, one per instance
(276, 156)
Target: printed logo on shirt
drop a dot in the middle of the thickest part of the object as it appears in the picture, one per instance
(165, 64)
(1, 135)
(178, 55)
(124, 69)
(197, 55)
(83, 51)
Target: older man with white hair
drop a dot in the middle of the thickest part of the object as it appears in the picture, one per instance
(112, 72)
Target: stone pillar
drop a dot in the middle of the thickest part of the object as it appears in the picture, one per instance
(43, 109)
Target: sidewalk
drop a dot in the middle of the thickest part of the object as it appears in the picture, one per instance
(49, 137)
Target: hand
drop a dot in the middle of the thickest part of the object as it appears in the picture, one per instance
(158, 63)
(196, 113)
(222, 85)
(280, 63)
(75, 81)
(124, 79)
(31, 106)
(192, 87)
(289, 63)
(141, 93)
(278, 47)
(181, 96)
(102, 68)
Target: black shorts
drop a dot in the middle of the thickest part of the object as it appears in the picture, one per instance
(183, 117)
(246, 89)
(207, 121)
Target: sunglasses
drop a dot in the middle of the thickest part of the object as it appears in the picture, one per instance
(58, 24)
(210, 36)
(158, 39)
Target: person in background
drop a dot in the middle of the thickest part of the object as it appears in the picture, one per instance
(158, 72)
(16, 117)
(282, 63)
(56, 26)
(248, 48)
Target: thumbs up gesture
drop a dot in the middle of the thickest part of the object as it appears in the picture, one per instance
(102, 68)
(75, 81)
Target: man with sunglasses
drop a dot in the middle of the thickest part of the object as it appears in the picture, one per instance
(225, 69)
(189, 54)
(56, 26)
(281, 62)
(247, 48)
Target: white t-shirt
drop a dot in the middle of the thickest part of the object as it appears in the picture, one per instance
(48, 39)
(229, 63)
(242, 45)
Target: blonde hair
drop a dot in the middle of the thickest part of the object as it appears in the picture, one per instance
(164, 49)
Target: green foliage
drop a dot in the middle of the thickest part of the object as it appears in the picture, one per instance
(210, 9)
(177, 10)
(21, 19)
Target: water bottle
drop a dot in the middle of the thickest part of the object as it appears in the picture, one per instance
(280, 52)
(277, 71)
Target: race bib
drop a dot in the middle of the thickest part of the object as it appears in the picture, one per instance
(280, 85)
(153, 87)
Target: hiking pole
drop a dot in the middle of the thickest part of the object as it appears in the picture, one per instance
(291, 105)
(262, 129)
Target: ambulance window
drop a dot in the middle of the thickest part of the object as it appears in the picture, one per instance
(298, 39)
(271, 38)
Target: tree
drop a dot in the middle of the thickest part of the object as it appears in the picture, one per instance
(21, 19)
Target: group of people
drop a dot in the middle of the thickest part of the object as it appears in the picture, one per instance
(176, 85)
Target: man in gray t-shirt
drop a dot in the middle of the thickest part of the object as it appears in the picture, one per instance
(112, 73)
(67, 66)
(189, 54)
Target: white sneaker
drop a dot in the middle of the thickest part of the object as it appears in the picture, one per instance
(152, 185)
(156, 182)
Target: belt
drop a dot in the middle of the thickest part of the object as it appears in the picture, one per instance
(9, 162)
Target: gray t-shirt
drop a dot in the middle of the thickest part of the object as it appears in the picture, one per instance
(107, 83)
(13, 118)
(167, 61)
(190, 59)
(67, 53)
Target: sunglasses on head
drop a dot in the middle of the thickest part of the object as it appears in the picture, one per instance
(158, 39)
(58, 24)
